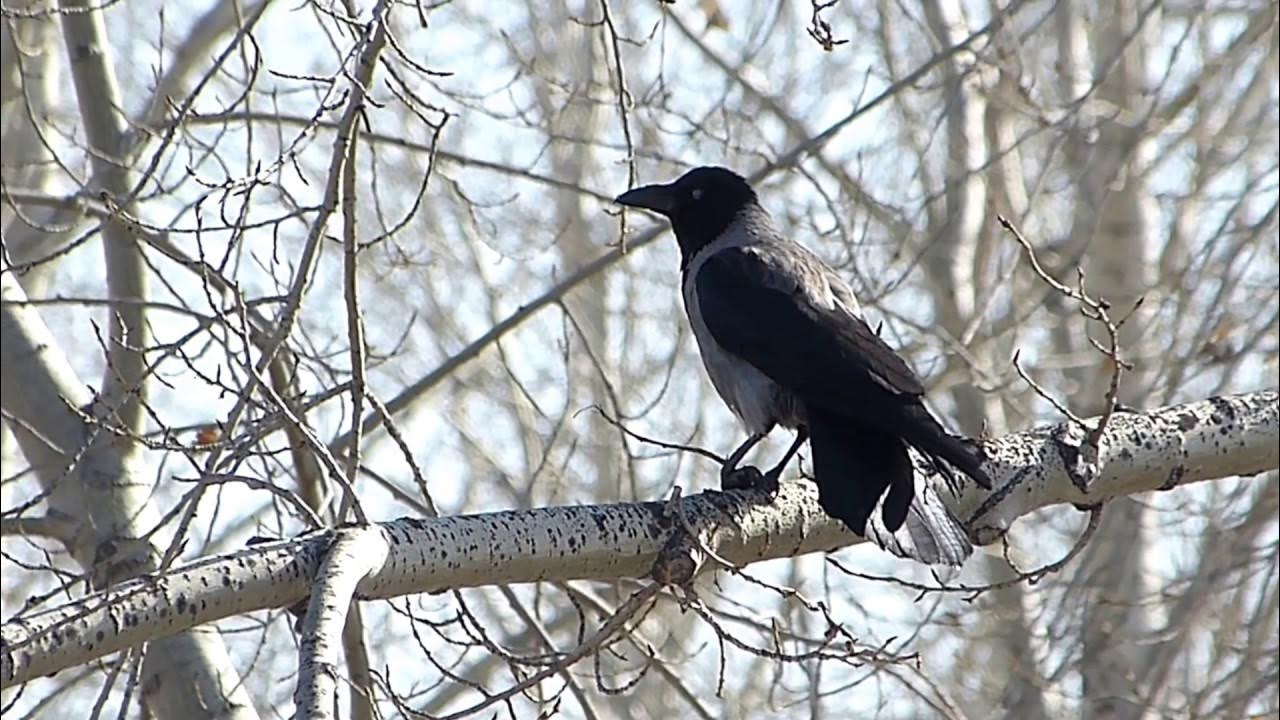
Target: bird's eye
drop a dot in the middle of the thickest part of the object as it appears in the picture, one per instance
(696, 193)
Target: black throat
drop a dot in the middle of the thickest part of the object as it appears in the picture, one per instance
(699, 227)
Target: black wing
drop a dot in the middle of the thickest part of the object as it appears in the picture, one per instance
(754, 304)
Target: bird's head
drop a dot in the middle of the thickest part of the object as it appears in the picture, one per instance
(700, 205)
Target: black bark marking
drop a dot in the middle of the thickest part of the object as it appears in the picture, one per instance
(998, 494)
(1174, 479)
(1069, 454)
(1223, 408)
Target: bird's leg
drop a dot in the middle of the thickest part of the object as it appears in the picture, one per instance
(734, 478)
(769, 483)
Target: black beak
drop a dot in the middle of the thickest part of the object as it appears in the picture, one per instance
(658, 198)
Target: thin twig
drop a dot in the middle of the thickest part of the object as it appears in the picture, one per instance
(1031, 578)
(592, 644)
(653, 441)
(1095, 309)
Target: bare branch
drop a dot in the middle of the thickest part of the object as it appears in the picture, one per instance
(1237, 435)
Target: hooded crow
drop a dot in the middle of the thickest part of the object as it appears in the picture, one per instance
(784, 343)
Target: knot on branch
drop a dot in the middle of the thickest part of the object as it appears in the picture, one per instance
(1079, 448)
(679, 560)
(686, 550)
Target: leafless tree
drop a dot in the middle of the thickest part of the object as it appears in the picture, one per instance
(276, 275)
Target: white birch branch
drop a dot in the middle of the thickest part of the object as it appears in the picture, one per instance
(1139, 452)
(356, 553)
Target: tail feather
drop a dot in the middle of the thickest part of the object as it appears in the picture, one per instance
(931, 534)
(945, 450)
(854, 467)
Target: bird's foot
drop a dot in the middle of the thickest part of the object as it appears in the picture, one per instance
(769, 483)
(749, 477)
(743, 477)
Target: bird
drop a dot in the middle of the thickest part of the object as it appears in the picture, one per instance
(784, 343)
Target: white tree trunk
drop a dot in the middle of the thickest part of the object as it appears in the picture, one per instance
(953, 235)
(29, 92)
(96, 495)
(102, 112)
(1114, 224)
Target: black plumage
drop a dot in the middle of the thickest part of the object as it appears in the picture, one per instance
(784, 342)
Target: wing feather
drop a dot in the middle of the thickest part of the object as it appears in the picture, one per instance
(776, 309)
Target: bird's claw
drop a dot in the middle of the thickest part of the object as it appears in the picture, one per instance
(744, 477)
(749, 477)
(768, 483)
